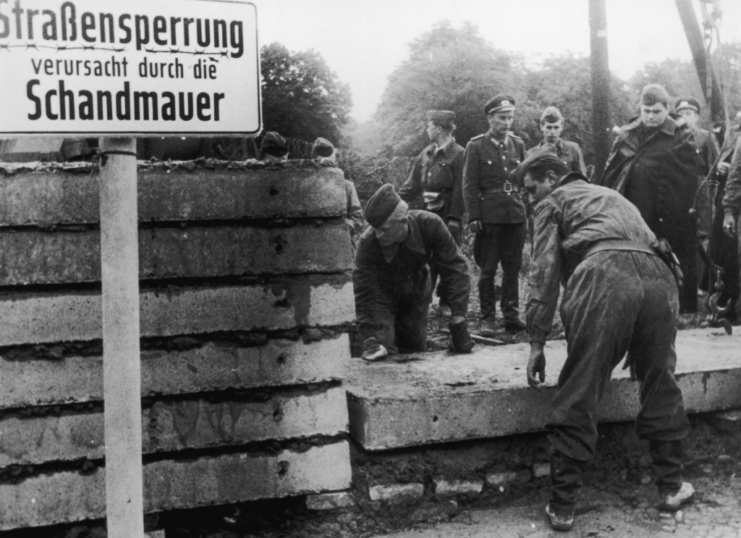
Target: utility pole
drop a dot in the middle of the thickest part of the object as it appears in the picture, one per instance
(600, 84)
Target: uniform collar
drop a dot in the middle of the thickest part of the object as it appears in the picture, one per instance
(669, 126)
(434, 148)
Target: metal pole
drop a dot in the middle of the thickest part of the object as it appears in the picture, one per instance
(600, 85)
(119, 249)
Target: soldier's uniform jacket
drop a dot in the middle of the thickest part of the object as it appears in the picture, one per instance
(732, 196)
(437, 176)
(569, 152)
(406, 277)
(489, 188)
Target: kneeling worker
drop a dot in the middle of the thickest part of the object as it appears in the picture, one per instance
(620, 297)
(392, 278)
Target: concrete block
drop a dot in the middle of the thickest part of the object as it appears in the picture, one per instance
(36, 318)
(330, 501)
(35, 257)
(397, 493)
(31, 149)
(541, 470)
(507, 478)
(171, 426)
(212, 367)
(44, 195)
(69, 496)
(451, 488)
(399, 403)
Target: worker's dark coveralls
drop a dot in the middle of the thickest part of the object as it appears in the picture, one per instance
(492, 196)
(656, 169)
(437, 177)
(392, 298)
(615, 302)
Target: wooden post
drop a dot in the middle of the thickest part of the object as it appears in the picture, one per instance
(600, 85)
(119, 249)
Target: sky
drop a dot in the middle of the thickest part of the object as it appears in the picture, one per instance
(364, 41)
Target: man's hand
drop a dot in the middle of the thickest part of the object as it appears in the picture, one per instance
(373, 351)
(723, 169)
(475, 226)
(536, 366)
(454, 225)
(729, 224)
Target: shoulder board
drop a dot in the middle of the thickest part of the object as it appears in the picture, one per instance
(477, 137)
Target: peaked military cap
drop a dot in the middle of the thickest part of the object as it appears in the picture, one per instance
(500, 103)
(273, 144)
(381, 205)
(441, 116)
(687, 103)
(322, 148)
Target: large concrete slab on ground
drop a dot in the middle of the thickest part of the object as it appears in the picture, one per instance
(70, 496)
(63, 257)
(45, 195)
(431, 398)
(174, 425)
(35, 318)
(212, 367)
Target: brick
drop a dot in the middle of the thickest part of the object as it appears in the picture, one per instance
(330, 501)
(508, 477)
(35, 257)
(35, 318)
(485, 395)
(450, 488)
(33, 197)
(171, 426)
(396, 493)
(69, 496)
(212, 367)
(541, 470)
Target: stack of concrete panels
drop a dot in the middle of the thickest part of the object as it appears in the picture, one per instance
(245, 304)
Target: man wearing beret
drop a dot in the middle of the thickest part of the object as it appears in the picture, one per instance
(551, 125)
(620, 297)
(496, 214)
(392, 281)
(437, 177)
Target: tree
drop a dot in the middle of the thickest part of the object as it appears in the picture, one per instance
(450, 69)
(301, 97)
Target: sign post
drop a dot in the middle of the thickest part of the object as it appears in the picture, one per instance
(121, 70)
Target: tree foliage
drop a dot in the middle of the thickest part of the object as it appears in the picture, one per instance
(301, 97)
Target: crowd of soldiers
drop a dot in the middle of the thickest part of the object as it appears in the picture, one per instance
(623, 247)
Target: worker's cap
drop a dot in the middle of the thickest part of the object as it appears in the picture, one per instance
(544, 156)
(381, 205)
(322, 148)
(500, 103)
(273, 144)
(551, 115)
(687, 103)
(443, 117)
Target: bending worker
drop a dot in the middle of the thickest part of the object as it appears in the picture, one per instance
(392, 280)
(620, 297)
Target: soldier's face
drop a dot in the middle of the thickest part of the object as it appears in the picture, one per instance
(501, 122)
(552, 131)
(690, 116)
(538, 190)
(432, 130)
(653, 115)
(394, 231)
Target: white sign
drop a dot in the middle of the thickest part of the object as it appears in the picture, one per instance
(129, 67)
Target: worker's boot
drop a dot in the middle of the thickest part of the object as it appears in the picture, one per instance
(566, 481)
(667, 465)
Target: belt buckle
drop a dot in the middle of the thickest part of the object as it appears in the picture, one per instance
(508, 187)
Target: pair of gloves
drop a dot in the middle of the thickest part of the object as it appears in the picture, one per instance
(460, 342)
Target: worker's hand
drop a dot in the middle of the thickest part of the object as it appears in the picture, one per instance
(536, 366)
(373, 351)
(723, 169)
(454, 225)
(729, 224)
(460, 339)
(475, 226)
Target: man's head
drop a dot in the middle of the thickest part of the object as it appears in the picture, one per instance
(540, 172)
(551, 124)
(440, 123)
(500, 113)
(273, 147)
(654, 105)
(689, 108)
(387, 214)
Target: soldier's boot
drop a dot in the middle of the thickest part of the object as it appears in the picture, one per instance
(566, 482)
(667, 466)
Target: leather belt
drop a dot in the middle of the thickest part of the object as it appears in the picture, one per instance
(507, 188)
(619, 244)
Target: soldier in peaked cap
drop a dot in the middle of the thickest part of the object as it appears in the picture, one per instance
(496, 213)
(551, 125)
(437, 177)
(392, 282)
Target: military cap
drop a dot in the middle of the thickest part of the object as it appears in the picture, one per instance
(543, 156)
(273, 144)
(322, 148)
(381, 205)
(687, 103)
(500, 103)
(441, 116)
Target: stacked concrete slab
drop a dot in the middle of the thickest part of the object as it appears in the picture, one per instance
(245, 304)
